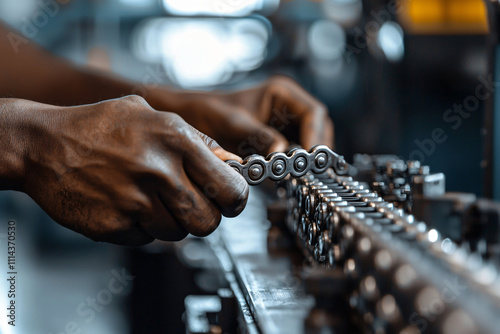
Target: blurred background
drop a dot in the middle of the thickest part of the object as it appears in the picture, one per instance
(398, 77)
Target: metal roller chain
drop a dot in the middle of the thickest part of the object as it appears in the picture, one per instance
(342, 224)
(297, 162)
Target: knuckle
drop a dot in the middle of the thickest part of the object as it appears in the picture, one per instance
(142, 205)
(119, 230)
(168, 127)
(210, 142)
(106, 109)
(330, 123)
(117, 227)
(185, 135)
(203, 224)
(175, 123)
(208, 224)
(135, 99)
(175, 119)
(197, 215)
(282, 85)
(238, 199)
(320, 110)
(280, 80)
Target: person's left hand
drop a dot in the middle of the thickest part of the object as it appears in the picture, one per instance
(262, 119)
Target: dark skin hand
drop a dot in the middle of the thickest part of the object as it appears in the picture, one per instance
(262, 119)
(116, 170)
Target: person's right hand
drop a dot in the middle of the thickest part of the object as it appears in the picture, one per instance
(120, 172)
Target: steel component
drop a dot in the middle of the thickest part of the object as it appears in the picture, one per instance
(397, 263)
(297, 163)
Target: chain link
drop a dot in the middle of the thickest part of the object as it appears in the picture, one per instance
(297, 162)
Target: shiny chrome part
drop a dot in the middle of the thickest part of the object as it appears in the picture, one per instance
(296, 162)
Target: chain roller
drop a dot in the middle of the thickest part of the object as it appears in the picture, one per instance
(297, 162)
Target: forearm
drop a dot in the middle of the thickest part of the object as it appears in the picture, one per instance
(14, 119)
(31, 73)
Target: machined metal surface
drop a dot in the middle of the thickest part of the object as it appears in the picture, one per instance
(274, 295)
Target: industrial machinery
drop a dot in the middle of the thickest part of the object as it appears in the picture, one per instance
(373, 247)
(376, 246)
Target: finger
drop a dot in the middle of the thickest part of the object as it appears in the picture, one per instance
(161, 224)
(262, 139)
(311, 120)
(134, 237)
(307, 112)
(215, 178)
(216, 148)
(279, 143)
(255, 136)
(196, 213)
(329, 135)
(316, 128)
(116, 229)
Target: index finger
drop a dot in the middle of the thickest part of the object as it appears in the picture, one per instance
(215, 178)
(315, 125)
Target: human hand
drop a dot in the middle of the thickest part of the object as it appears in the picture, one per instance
(120, 172)
(262, 119)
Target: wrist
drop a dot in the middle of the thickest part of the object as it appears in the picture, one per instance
(20, 121)
(12, 145)
(179, 101)
(163, 98)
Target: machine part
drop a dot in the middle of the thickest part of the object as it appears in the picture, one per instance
(212, 314)
(395, 266)
(482, 228)
(381, 252)
(429, 185)
(350, 256)
(199, 311)
(444, 213)
(297, 162)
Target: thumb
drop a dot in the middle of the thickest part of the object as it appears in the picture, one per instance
(259, 137)
(278, 142)
(216, 148)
